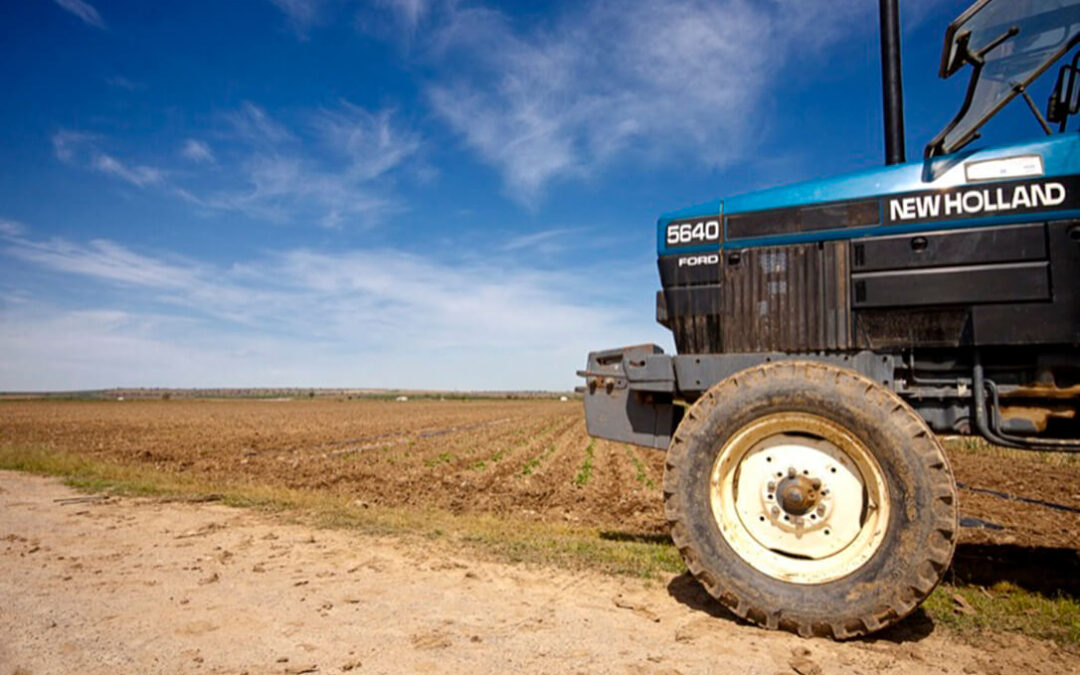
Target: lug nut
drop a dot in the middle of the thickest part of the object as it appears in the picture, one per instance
(775, 511)
(791, 472)
(771, 486)
(821, 509)
(816, 483)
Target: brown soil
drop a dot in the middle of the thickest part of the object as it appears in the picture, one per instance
(519, 458)
(141, 586)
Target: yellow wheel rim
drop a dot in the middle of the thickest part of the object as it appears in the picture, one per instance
(799, 498)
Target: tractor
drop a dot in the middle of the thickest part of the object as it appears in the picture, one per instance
(827, 332)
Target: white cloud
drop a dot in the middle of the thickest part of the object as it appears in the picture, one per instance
(197, 151)
(84, 11)
(409, 12)
(140, 176)
(338, 177)
(253, 125)
(335, 170)
(121, 82)
(67, 143)
(102, 260)
(81, 149)
(371, 143)
(545, 241)
(375, 317)
(302, 14)
(642, 79)
(11, 228)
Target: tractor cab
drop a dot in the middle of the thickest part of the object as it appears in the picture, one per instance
(1009, 44)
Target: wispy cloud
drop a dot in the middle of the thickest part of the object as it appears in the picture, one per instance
(335, 173)
(546, 241)
(371, 144)
(197, 151)
(11, 228)
(409, 12)
(477, 325)
(81, 149)
(67, 143)
(302, 14)
(103, 260)
(254, 126)
(140, 176)
(650, 79)
(84, 11)
(121, 82)
(335, 169)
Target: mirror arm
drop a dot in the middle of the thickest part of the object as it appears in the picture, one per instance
(1022, 90)
(1012, 32)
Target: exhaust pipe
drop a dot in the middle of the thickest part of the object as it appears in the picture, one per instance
(891, 85)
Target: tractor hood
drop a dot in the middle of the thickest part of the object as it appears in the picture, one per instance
(966, 189)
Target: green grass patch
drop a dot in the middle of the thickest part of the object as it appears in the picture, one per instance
(974, 445)
(441, 458)
(532, 464)
(584, 474)
(1005, 607)
(501, 454)
(641, 475)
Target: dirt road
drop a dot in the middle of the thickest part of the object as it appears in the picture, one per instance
(143, 586)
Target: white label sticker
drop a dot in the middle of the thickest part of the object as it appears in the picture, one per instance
(1021, 166)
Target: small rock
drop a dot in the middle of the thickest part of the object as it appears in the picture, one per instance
(804, 666)
(212, 579)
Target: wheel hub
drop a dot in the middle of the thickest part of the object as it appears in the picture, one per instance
(799, 497)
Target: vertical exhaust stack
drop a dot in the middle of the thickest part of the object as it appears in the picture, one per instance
(891, 84)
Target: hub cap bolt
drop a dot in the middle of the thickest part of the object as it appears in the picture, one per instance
(775, 510)
(816, 483)
(791, 472)
(771, 486)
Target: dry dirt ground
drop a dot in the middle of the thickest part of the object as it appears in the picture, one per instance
(92, 585)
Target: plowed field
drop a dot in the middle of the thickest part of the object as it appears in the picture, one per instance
(529, 459)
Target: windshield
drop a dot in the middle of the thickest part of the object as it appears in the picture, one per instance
(1009, 43)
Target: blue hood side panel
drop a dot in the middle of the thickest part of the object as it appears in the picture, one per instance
(1060, 155)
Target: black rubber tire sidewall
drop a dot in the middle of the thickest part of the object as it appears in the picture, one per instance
(920, 536)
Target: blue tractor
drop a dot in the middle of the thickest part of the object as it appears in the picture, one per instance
(828, 331)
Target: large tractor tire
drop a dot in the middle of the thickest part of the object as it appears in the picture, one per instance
(808, 498)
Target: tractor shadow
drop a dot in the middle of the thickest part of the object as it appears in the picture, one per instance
(1051, 572)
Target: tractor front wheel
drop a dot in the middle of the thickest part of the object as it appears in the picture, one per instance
(809, 498)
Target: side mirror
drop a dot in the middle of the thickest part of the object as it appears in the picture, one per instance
(1065, 98)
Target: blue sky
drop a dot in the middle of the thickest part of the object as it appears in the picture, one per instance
(398, 193)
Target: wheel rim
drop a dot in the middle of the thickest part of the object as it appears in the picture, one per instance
(799, 498)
